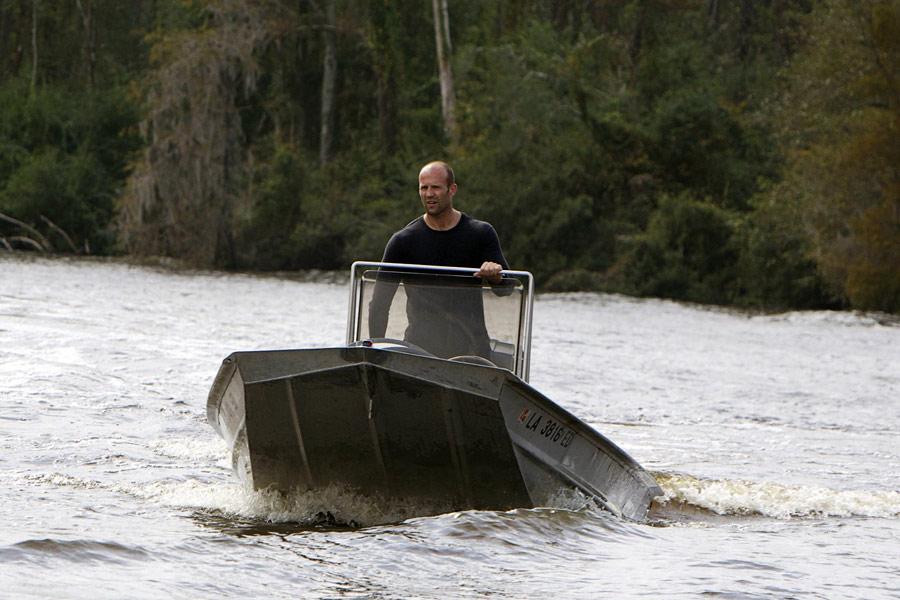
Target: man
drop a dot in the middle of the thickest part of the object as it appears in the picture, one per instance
(447, 321)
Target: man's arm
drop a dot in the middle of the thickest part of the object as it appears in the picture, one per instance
(380, 305)
(385, 288)
(494, 261)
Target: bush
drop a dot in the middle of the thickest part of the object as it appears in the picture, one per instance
(574, 280)
(306, 216)
(873, 279)
(687, 253)
(775, 270)
(63, 160)
(69, 191)
(700, 146)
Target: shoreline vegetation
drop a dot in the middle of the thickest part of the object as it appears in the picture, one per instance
(731, 153)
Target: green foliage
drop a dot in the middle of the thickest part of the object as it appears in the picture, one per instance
(687, 253)
(873, 279)
(63, 160)
(264, 235)
(700, 146)
(306, 217)
(840, 121)
(729, 152)
(541, 164)
(775, 268)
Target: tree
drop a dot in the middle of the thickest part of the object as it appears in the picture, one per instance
(444, 51)
(329, 77)
(182, 197)
(34, 45)
(86, 8)
(841, 128)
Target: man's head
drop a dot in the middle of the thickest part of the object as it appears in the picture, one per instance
(437, 185)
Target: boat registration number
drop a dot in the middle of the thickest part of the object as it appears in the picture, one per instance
(543, 425)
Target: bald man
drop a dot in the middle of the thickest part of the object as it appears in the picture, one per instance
(451, 322)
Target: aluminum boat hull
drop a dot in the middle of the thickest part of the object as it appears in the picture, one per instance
(431, 432)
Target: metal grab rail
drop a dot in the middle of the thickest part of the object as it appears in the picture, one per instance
(526, 306)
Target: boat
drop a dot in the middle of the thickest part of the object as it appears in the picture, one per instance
(427, 403)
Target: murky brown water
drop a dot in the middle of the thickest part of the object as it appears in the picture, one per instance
(775, 439)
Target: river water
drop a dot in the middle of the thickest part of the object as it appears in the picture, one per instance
(775, 439)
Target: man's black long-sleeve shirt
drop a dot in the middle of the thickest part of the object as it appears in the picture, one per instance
(446, 321)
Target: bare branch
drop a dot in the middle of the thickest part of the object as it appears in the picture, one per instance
(45, 244)
(27, 241)
(60, 231)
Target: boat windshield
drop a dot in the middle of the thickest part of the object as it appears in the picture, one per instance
(444, 311)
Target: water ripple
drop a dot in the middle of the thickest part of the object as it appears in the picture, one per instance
(77, 551)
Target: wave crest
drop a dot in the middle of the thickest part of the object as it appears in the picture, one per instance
(739, 497)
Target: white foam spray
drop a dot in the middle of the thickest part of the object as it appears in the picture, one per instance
(336, 504)
(739, 497)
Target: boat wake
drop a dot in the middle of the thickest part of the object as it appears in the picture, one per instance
(335, 506)
(232, 505)
(330, 506)
(685, 493)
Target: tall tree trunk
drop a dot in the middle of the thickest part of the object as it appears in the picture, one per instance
(383, 38)
(747, 18)
(637, 36)
(387, 111)
(444, 49)
(329, 76)
(86, 8)
(712, 11)
(34, 46)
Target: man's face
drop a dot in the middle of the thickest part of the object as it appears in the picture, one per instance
(436, 195)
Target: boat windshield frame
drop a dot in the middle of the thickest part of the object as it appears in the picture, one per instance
(522, 280)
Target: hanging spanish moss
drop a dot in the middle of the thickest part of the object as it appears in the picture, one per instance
(181, 198)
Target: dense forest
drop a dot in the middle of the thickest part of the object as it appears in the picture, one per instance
(740, 152)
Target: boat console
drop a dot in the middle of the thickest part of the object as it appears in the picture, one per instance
(386, 300)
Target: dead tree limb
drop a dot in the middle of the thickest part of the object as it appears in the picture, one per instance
(27, 241)
(60, 231)
(43, 245)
